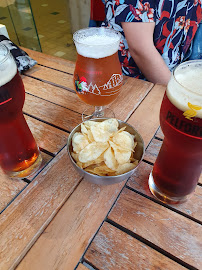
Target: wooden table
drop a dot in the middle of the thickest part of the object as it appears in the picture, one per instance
(57, 220)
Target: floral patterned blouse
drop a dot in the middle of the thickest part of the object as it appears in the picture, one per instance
(176, 22)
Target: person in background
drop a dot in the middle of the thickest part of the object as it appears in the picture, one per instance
(97, 13)
(196, 49)
(156, 34)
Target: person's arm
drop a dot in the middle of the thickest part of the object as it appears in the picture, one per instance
(139, 36)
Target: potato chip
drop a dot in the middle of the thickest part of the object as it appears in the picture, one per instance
(90, 169)
(90, 136)
(132, 159)
(99, 169)
(103, 149)
(89, 124)
(87, 132)
(99, 134)
(110, 125)
(123, 168)
(75, 156)
(92, 151)
(121, 129)
(109, 159)
(124, 140)
(102, 170)
(104, 130)
(122, 156)
(79, 141)
(80, 164)
(84, 130)
(96, 161)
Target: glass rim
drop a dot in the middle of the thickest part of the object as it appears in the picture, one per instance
(6, 55)
(88, 28)
(185, 64)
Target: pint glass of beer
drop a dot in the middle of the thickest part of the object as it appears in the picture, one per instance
(98, 76)
(19, 154)
(178, 166)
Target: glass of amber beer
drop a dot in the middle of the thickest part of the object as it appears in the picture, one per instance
(19, 154)
(98, 76)
(178, 166)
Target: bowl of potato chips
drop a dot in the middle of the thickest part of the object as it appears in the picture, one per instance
(105, 151)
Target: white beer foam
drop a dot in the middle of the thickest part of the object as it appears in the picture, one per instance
(97, 46)
(188, 88)
(8, 69)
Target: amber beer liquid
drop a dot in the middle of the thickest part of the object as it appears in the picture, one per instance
(178, 166)
(98, 76)
(19, 154)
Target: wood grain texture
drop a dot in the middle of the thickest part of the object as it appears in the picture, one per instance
(25, 219)
(46, 136)
(54, 94)
(159, 134)
(10, 188)
(146, 117)
(139, 182)
(51, 113)
(70, 232)
(131, 95)
(113, 249)
(152, 150)
(166, 229)
(51, 61)
(53, 76)
(82, 267)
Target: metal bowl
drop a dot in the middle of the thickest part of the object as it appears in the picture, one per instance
(108, 180)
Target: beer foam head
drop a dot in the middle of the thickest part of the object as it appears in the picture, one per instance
(96, 42)
(8, 67)
(185, 86)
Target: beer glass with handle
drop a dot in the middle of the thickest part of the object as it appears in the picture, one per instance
(178, 166)
(98, 76)
(19, 154)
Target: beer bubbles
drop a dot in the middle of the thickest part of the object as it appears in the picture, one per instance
(97, 76)
(178, 166)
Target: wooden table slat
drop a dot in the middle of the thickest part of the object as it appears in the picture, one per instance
(139, 181)
(146, 117)
(70, 232)
(152, 150)
(25, 219)
(51, 61)
(54, 94)
(82, 267)
(68, 119)
(131, 95)
(46, 136)
(113, 249)
(55, 77)
(166, 229)
(10, 188)
(51, 113)
(159, 134)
